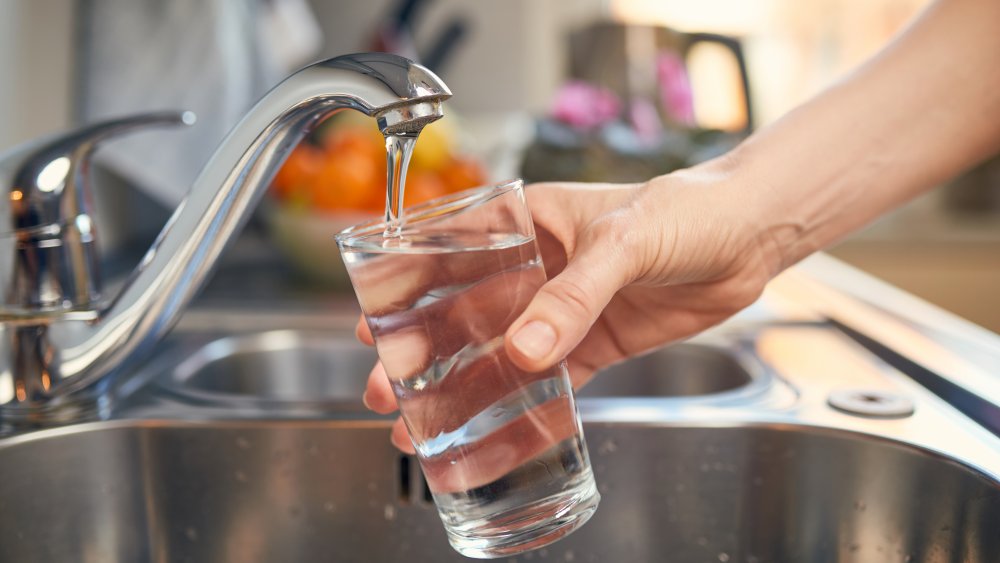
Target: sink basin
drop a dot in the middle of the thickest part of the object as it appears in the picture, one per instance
(287, 366)
(276, 366)
(681, 370)
(257, 491)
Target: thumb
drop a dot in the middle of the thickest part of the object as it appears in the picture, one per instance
(562, 312)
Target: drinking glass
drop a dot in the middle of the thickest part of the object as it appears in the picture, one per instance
(502, 449)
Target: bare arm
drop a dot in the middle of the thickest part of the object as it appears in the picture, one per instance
(924, 109)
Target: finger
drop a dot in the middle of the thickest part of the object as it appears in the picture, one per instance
(401, 438)
(363, 333)
(564, 309)
(378, 393)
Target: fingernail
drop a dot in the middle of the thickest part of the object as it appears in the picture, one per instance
(535, 340)
(364, 399)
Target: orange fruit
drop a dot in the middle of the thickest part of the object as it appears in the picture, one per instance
(461, 173)
(361, 138)
(422, 185)
(298, 172)
(351, 180)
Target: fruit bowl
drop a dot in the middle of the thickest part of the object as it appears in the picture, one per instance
(306, 238)
(337, 178)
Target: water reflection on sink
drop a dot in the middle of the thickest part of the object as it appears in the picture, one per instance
(248, 491)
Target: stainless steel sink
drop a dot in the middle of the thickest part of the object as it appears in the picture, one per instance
(725, 449)
(681, 370)
(256, 491)
(315, 366)
(243, 439)
(275, 366)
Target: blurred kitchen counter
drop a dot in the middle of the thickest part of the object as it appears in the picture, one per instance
(947, 257)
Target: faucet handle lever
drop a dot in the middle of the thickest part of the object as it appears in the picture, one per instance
(46, 230)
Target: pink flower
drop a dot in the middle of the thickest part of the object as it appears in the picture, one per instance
(675, 88)
(585, 106)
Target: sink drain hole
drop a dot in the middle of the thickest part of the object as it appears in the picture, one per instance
(871, 403)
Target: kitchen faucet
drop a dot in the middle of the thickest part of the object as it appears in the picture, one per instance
(59, 339)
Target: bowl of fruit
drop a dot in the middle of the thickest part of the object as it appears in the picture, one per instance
(336, 178)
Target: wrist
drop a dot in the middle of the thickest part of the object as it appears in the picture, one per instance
(707, 222)
(754, 202)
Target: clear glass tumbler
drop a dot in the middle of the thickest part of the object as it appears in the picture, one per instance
(502, 449)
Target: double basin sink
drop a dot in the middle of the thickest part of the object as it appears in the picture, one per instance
(254, 447)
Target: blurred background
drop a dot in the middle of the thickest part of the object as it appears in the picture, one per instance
(590, 90)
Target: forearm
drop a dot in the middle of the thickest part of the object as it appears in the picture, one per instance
(924, 109)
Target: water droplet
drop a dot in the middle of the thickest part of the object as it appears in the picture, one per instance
(758, 481)
(752, 559)
(702, 541)
(859, 505)
(313, 450)
(294, 511)
(329, 506)
(241, 477)
(854, 547)
(372, 486)
(681, 487)
(543, 553)
(718, 466)
(389, 512)
(242, 443)
(704, 467)
(723, 557)
(529, 556)
(569, 556)
(191, 533)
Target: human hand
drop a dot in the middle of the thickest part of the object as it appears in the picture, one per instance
(631, 268)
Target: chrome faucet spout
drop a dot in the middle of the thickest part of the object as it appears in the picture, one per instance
(71, 353)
